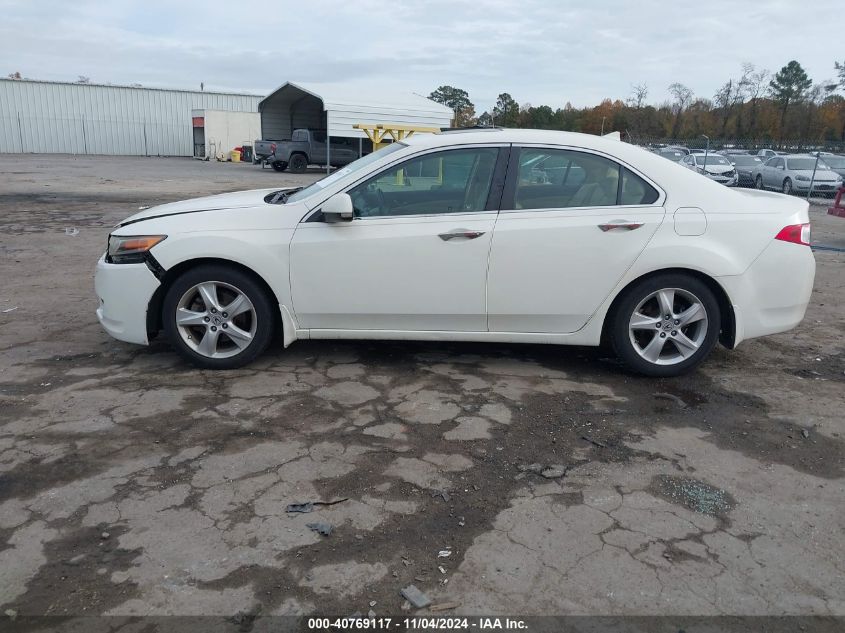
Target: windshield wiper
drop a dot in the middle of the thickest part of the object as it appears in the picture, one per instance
(281, 197)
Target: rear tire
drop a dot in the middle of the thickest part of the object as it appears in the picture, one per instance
(218, 317)
(280, 166)
(298, 163)
(648, 342)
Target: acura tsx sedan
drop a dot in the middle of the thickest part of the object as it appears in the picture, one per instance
(485, 235)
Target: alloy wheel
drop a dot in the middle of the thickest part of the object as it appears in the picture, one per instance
(668, 326)
(216, 319)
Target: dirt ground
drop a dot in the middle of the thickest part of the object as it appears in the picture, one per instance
(507, 479)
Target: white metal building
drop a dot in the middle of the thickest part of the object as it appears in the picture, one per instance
(336, 110)
(54, 117)
(217, 132)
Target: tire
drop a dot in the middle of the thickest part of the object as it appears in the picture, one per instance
(279, 165)
(192, 338)
(634, 340)
(787, 186)
(298, 163)
(758, 182)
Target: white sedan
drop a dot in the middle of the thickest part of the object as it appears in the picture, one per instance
(490, 235)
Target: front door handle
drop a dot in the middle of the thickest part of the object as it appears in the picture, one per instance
(620, 224)
(463, 234)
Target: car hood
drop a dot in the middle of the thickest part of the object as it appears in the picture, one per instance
(224, 201)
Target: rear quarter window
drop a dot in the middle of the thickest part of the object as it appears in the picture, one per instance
(635, 190)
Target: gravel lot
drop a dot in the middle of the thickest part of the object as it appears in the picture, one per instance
(557, 483)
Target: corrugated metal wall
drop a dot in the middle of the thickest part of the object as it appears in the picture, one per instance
(47, 117)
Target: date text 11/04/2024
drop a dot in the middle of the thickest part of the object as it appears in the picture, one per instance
(417, 624)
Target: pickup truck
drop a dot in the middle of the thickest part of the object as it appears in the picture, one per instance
(306, 147)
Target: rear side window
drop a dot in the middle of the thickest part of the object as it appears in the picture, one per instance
(635, 190)
(556, 179)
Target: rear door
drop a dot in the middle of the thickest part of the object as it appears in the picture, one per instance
(772, 171)
(571, 223)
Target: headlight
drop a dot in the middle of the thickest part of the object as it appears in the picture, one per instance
(130, 249)
(802, 177)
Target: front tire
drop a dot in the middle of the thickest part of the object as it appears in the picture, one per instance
(218, 317)
(758, 182)
(665, 325)
(787, 186)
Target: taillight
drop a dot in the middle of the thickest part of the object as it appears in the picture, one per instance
(272, 148)
(795, 233)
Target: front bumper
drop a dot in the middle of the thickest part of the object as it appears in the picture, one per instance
(728, 181)
(821, 187)
(124, 292)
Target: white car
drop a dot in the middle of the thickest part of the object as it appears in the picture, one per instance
(457, 236)
(715, 166)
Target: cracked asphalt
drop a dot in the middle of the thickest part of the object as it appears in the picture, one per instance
(507, 479)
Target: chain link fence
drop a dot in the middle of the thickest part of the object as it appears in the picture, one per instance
(754, 146)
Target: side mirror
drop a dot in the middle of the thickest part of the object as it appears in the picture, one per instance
(338, 208)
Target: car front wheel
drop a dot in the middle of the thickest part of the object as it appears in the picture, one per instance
(787, 186)
(217, 317)
(665, 325)
(758, 182)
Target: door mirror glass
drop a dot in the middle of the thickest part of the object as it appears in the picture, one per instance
(338, 208)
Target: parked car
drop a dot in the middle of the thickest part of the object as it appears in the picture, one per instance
(835, 162)
(793, 173)
(744, 164)
(673, 154)
(766, 154)
(714, 166)
(435, 238)
(308, 147)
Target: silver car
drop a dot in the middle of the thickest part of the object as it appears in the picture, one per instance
(835, 162)
(793, 173)
(714, 166)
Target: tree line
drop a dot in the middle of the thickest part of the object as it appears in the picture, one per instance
(785, 106)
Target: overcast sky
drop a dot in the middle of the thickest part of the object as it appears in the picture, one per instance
(540, 51)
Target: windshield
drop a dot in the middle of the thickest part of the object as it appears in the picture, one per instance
(712, 159)
(675, 155)
(351, 168)
(835, 162)
(805, 163)
(742, 159)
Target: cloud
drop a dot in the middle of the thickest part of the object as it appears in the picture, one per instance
(540, 51)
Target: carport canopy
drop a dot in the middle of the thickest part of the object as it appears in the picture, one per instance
(337, 109)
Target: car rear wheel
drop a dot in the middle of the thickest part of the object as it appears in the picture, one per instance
(787, 186)
(758, 182)
(298, 163)
(665, 325)
(217, 317)
(280, 165)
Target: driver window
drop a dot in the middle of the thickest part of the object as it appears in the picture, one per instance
(454, 181)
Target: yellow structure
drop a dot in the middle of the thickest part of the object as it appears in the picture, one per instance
(377, 132)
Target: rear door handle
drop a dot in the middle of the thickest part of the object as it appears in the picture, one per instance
(620, 224)
(462, 234)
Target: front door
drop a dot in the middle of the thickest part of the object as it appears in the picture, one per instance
(415, 255)
(571, 224)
